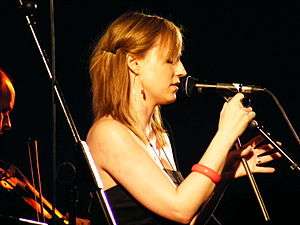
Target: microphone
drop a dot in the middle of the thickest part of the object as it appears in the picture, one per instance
(188, 84)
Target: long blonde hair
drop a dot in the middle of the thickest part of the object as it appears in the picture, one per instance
(134, 33)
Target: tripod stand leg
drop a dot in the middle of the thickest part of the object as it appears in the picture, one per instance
(254, 186)
(256, 191)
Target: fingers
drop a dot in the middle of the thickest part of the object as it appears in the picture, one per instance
(238, 97)
(261, 150)
(248, 112)
(255, 141)
(267, 158)
(234, 117)
(249, 150)
(258, 140)
(265, 170)
(264, 149)
(237, 100)
(260, 154)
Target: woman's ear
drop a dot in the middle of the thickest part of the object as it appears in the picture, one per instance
(133, 64)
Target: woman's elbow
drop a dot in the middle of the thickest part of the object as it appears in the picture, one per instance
(183, 217)
(185, 220)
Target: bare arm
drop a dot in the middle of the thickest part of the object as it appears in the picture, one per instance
(120, 155)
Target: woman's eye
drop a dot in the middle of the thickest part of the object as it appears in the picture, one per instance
(172, 61)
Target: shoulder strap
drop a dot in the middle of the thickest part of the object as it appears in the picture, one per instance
(172, 142)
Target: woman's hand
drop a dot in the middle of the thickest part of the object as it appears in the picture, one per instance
(234, 117)
(256, 154)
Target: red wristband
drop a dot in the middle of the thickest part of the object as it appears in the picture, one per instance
(213, 175)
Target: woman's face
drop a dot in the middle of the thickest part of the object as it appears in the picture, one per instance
(160, 76)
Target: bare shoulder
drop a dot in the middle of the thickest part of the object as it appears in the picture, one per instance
(105, 126)
(114, 148)
(108, 134)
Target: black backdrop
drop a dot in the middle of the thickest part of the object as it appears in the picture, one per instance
(225, 41)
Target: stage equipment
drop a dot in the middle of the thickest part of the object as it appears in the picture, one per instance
(28, 10)
(190, 86)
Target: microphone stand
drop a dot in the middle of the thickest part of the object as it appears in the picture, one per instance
(254, 185)
(188, 86)
(294, 165)
(100, 194)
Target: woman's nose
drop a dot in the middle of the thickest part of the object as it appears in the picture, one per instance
(180, 70)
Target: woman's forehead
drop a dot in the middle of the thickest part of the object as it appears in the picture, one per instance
(170, 46)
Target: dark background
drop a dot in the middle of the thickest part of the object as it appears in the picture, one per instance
(225, 41)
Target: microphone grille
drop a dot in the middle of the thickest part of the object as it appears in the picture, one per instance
(187, 85)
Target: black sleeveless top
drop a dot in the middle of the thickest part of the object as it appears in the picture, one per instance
(128, 211)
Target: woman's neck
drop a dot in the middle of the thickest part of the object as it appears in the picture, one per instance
(141, 110)
(142, 115)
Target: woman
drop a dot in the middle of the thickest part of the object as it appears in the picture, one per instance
(135, 68)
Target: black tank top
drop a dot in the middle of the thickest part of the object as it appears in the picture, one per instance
(128, 211)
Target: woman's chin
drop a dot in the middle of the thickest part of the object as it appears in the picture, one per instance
(171, 100)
